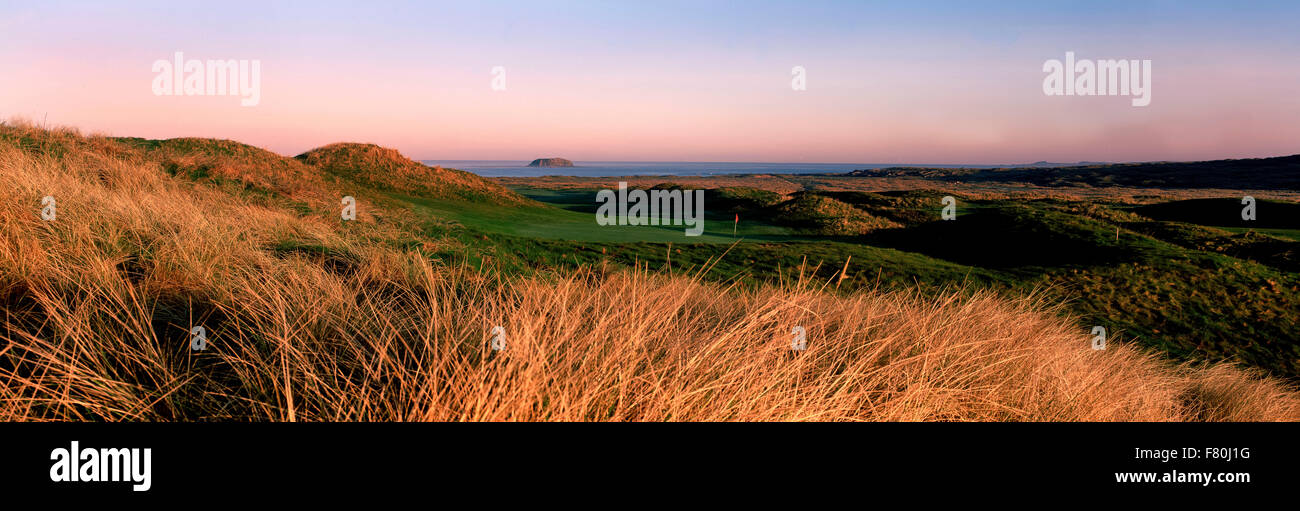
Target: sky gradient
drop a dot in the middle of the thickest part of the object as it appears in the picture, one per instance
(887, 82)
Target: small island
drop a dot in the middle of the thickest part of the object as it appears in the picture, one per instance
(551, 162)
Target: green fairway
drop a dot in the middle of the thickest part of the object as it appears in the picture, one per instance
(570, 215)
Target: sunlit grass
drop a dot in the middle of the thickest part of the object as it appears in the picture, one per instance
(310, 318)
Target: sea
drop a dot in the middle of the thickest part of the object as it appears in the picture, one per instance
(510, 168)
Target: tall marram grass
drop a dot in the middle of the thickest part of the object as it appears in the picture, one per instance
(98, 304)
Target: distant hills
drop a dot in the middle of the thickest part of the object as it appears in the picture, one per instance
(1277, 173)
(1055, 164)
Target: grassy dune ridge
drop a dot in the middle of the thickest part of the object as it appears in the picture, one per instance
(386, 169)
(311, 318)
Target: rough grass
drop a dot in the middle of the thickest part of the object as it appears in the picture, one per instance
(309, 318)
(386, 169)
(256, 171)
(827, 216)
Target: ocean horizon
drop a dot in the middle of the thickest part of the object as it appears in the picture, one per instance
(520, 168)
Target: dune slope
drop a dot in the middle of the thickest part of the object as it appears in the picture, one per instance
(100, 305)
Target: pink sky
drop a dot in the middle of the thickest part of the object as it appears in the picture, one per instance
(964, 99)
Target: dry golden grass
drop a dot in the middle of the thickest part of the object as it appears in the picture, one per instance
(98, 304)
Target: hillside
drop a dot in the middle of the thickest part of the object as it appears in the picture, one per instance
(100, 304)
(241, 168)
(825, 213)
(820, 214)
(386, 169)
(1278, 173)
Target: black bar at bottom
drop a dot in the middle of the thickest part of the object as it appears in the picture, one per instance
(236, 462)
